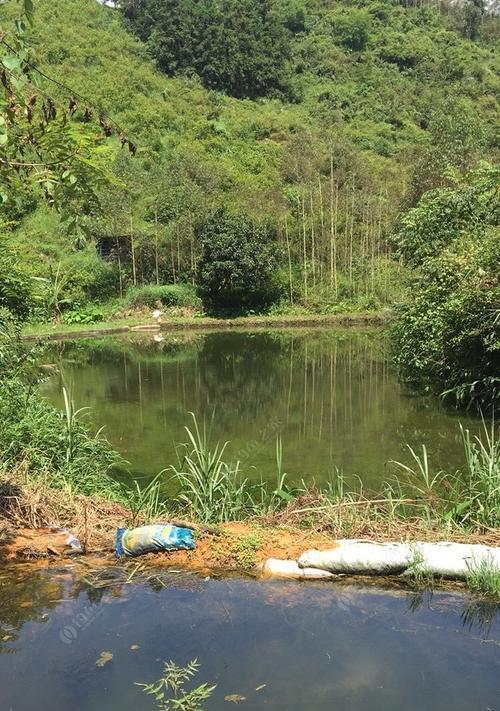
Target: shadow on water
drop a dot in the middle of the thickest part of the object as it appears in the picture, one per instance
(331, 396)
(314, 646)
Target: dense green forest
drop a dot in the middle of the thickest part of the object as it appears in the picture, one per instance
(282, 155)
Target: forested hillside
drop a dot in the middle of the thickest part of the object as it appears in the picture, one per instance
(309, 127)
(376, 100)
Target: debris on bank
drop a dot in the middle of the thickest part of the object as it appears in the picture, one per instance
(35, 522)
(34, 543)
(152, 539)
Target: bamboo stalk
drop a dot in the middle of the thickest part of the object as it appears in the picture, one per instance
(289, 260)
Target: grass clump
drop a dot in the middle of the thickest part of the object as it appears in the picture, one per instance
(168, 295)
(468, 498)
(244, 548)
(210, 489)
(484, 579)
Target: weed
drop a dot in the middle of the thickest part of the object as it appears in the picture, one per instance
(484, 579)
(417, 572)
(145, 503)
(243, 549)
(212, 490)
(170, 692)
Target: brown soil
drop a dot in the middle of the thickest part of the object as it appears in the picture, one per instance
(31, 514)
(242, 546)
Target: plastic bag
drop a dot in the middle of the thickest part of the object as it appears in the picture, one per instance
(151, 539)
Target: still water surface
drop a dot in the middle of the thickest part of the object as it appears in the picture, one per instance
(314, 646)
(331, 396)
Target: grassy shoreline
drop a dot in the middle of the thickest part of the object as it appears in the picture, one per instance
(33, 332)
(30, 506)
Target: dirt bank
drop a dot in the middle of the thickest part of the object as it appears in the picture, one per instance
(200, 324)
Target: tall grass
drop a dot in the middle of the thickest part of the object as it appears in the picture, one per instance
(484, 579)
(468, 497)
(146, 503)
(212, 490)
(55, 445)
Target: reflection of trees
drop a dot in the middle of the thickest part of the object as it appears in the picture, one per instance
(334, 391)
(25, 597)
(28, 595)
(241, 373)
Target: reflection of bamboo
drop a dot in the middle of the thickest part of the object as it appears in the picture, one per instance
(304, 245)
(290, 381)
(139, 376)
(305, 389)
(163, 407)
(125, 372)
(313, 380)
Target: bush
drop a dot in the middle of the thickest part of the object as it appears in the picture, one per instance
(52, 444)
(15, 288)
(238, 269)
(182, 295)
(89, 278)
(90, 314)
(447, 336)
(351, 28)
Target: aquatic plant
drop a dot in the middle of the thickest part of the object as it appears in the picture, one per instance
(170, 692)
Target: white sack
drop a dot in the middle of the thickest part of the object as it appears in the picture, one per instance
(289, 570)
(352, 556)
(449, 560)
(453, 560)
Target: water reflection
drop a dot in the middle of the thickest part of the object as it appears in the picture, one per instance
(332, 397)
(314, 646)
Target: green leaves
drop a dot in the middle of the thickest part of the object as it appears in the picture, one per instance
(12, 62)
(29, 10)
(447, 337)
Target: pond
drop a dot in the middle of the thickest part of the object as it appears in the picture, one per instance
(282, 645)
(331, 396)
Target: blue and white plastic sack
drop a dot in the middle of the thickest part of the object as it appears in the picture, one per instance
(152, 539)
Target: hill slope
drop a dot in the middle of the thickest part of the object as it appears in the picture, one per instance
(384, 98)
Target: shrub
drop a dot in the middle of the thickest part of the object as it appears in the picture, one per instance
(183, 295)
(15, 289)
(52, 444)
(238, 268)
(447, 336)
(351, 28)
(89, 278)
(85, 315)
